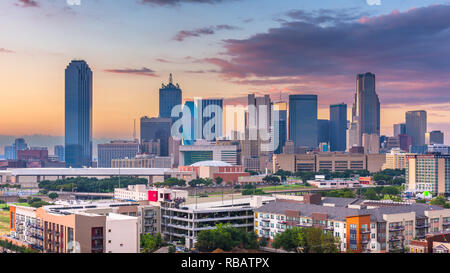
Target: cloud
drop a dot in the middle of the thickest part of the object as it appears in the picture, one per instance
(177, 2)
(406, 50)
(183, 34)
(4, 50)
(142, 72)
(27, 4)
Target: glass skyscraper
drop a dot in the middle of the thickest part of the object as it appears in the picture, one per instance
(280, 126)
(338, 127)
(366, 108)
(154, 129)
(303, 123)
(170, 95)
(205, 114)
(323, 129)
(188, 132)
(78, 115)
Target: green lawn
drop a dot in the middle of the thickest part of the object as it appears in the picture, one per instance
(285, 187)
(22, 204)
(4, 222)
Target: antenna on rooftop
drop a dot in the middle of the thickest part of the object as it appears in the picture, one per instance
(170, 79)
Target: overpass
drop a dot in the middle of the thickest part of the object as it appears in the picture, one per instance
(32, 176)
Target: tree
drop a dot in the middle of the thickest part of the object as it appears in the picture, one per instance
(148, 243)
(438, 201)
(311, 240)
(219, 180)
(272, 179)
(225, 237)
(172, 249)
(53, 195)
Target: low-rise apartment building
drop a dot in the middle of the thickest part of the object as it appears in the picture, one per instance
(361, 226)
(73, 229)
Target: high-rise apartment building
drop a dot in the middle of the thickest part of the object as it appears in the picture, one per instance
(303, 129)
(428, 173)
(78, 114)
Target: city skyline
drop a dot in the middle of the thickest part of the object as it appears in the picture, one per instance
(211, 65)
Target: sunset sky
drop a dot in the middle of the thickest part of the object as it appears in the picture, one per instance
(220, 48)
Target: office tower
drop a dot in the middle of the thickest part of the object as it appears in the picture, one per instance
(78, 115)
(9, 152)
(366, 107)
(280, 127)
(399, 129)
(352, 136)
(59, 152)
(323, 131)
(405, 142)
(210, 119)
(170, 95)
(18, 145)
(303, 120)
(154, 129)
(416, 126)
(118, 149)
(260, 118)
(371, 143)
(338, 127)
(434, 137)
(189, 131)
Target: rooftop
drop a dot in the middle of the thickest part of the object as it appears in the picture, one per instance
(211, 164)
(341, 212)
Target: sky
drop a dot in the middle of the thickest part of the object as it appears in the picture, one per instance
(220, 48)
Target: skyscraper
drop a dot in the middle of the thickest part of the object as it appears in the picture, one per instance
(59, 152)
(170, 95)
(416, 126)
(435, 137)
(366, 107)
(280, 126)
(78, 114)
(261, 117)
(399, 129)
(338, 127)
(189, 131)
(205, 114)
(303, 120)
(323, 131)
(154, 129)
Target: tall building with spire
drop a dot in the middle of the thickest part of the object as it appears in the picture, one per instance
(170, 95)
(366, 108)
(78, 114)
